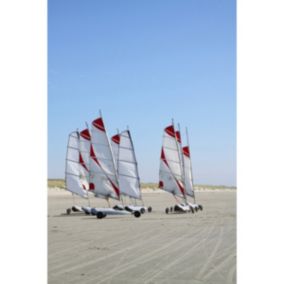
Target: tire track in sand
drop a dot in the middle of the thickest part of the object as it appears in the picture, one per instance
(144, 258)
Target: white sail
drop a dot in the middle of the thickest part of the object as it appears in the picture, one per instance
(171, 171)
(103, 167)
(75, 172)
(115, 140)
(85, 144)
(188, 173)
(128, 176)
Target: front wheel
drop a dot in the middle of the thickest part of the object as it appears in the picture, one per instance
(142, 210)
(149, 209)
(167, 210)
(200, 207)
(137, 214)
(100, 215)
(68, 211)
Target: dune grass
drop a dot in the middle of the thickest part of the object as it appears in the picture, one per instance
(60, 183)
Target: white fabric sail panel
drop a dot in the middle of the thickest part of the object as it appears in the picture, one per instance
(188, 173)
(167, 181)
(73, 171)
(171, 151)
(100, 184)
(171, 171)
(84, 158)
(128, 175)
(103, 152)
(85, 144)
(179, 145)
(115, 140)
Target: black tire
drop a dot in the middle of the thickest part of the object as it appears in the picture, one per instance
(93, 212)
(74, 209)
(196, 209)
(192, 210)
(176, 209)
(167, 210)
(142, 210)
(128, 209)
(149, 209)
(100, 215)
(137, 214)
(200, 207)
(68, 211)
(171, 209)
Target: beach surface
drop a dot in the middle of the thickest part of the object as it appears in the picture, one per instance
(155, 248)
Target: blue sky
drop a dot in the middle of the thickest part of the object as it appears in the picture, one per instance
(143, 63)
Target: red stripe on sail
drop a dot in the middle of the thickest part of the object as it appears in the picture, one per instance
(181, 188)
(116, 139)
(91, 186)
(170, 130)
(186, 151)
(82, 163)
(86, 134)
(163, 157)
(178, 136)
(116, 189)
(93, 155)
(161, 184)
(98, 123)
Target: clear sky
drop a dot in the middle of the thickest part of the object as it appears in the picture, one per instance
(143, 63)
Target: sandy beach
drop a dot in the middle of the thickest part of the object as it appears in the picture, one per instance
(156, 248)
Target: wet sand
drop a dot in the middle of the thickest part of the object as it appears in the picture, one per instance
(156, 248)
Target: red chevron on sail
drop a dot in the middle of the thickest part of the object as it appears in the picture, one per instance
(98, 123)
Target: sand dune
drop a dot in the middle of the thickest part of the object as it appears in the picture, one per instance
(156, 248)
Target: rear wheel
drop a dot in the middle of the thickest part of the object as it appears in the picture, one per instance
(149, 209)
(192, 210)
(196, 209)
(167, 210)
(74, 209)
(200, 207)
(142, 210)
(171, 209)
(137, 214)
(100, 215)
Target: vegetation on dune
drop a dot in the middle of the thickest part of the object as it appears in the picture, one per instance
(60, 183)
